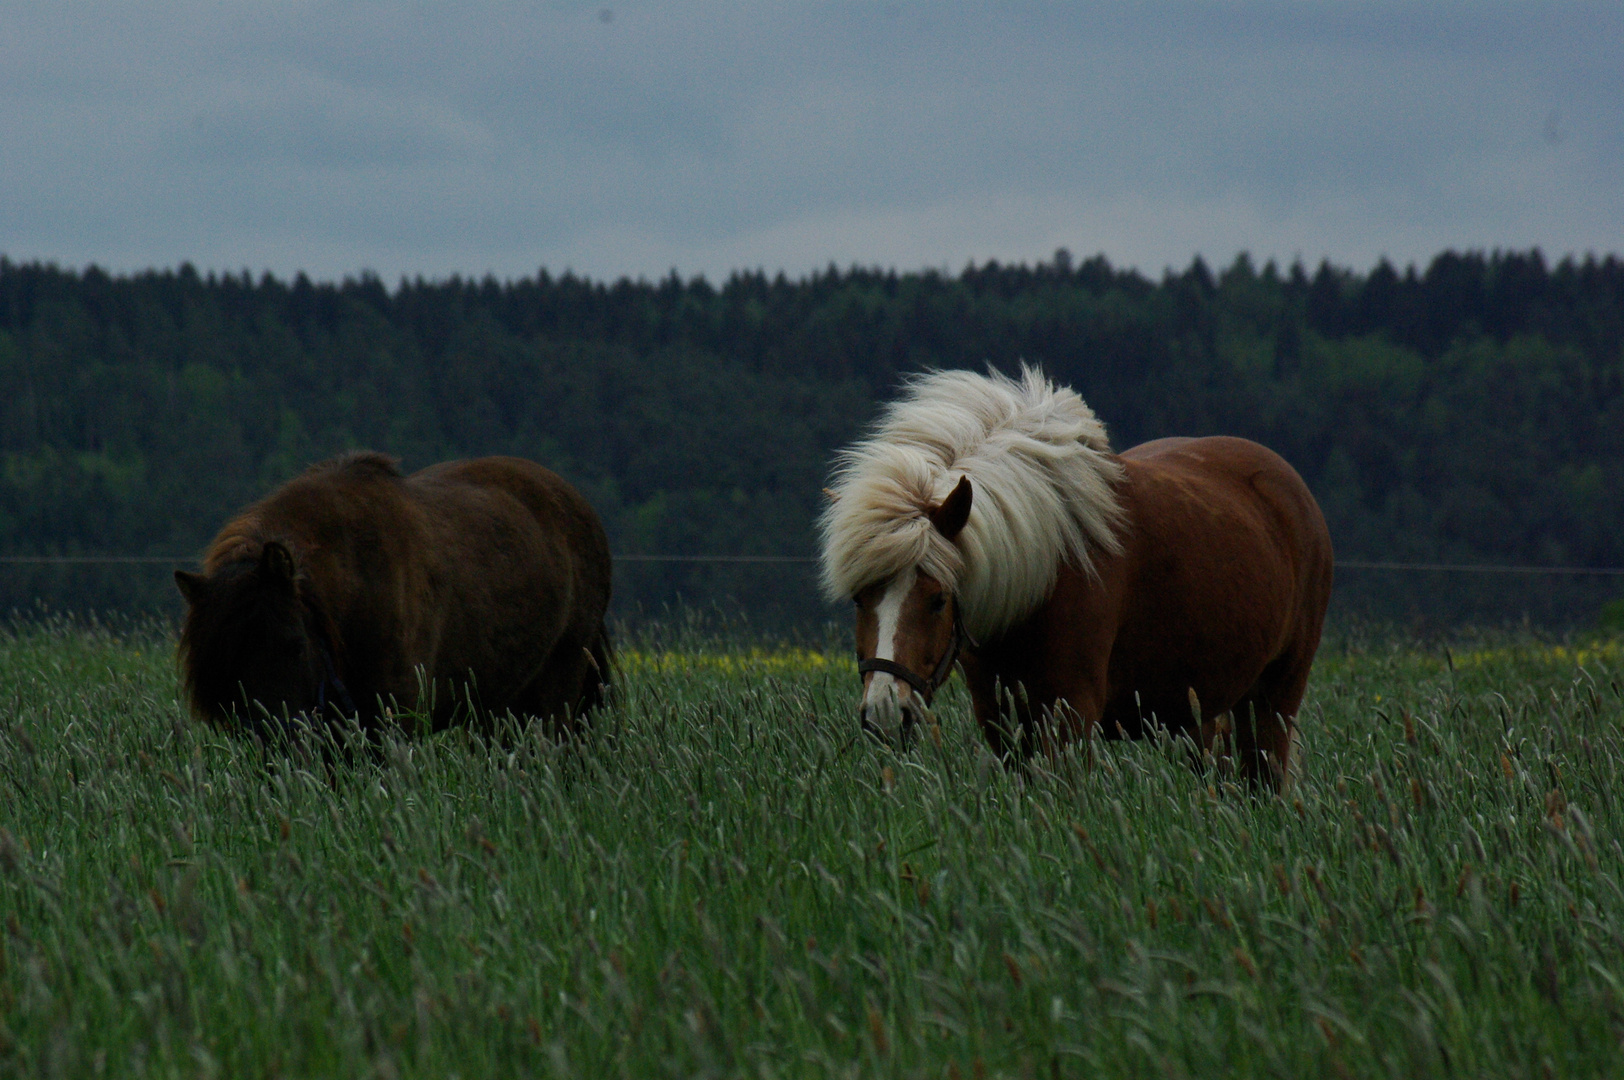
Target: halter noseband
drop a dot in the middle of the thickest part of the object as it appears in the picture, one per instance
(944, 667)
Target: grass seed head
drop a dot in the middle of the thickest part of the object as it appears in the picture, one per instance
(876, 1031)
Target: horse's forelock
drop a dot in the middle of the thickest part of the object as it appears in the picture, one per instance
(879, 522)
(875, 550)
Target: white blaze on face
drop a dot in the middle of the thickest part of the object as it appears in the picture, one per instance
(882, 694)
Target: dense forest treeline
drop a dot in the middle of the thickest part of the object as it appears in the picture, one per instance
(1472, 411)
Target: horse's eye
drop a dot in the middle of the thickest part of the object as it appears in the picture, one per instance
(938, 603)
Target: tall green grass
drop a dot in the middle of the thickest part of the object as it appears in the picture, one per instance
(722, 881)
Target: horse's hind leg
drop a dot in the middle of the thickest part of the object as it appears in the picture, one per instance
(573, 683)
(1262, 742)
(1266, 722)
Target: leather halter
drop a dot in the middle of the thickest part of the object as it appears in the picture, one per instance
(926, 687)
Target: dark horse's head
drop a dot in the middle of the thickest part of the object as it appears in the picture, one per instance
(256, 647)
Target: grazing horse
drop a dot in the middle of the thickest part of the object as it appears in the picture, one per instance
(465, 590)
(1180, 584)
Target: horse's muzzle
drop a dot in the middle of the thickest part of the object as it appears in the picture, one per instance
(890, 718)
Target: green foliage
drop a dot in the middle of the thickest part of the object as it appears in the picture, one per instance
(724, 881)
(1474, 412)
(1610, 620)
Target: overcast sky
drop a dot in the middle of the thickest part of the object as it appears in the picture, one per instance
(618, 138)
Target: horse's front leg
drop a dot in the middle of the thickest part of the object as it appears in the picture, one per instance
(996, 702)
(1218, 742)
(1020, 716)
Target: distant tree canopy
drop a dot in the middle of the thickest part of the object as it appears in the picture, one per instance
(1470, 412)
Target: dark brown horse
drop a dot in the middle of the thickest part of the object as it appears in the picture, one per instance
(986, 520)
(468, 589)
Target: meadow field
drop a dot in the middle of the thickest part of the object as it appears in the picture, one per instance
(722, 881)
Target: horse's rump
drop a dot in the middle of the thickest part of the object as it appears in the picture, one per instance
(1228, 567)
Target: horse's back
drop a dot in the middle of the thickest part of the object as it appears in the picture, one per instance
(506, 501)
(543, 492)
(1194, 484)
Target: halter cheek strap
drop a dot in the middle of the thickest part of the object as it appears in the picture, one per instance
(926, 687)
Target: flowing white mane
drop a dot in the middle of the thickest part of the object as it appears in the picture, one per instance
(1043, 492)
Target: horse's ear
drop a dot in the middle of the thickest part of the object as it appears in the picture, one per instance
(276, 562)
(195, 587)
(954, 511)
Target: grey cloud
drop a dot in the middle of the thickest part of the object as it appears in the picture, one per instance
(315, 124)
(433, 138)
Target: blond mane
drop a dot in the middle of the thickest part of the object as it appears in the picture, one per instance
(1043, 493)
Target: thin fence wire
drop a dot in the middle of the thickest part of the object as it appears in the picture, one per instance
(1345, 564)
(716, 558)
(90, 560)
(181, 560)
(1482, 568)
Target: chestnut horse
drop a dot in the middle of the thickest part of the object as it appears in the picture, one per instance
(465, 590)
(1181, 584)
